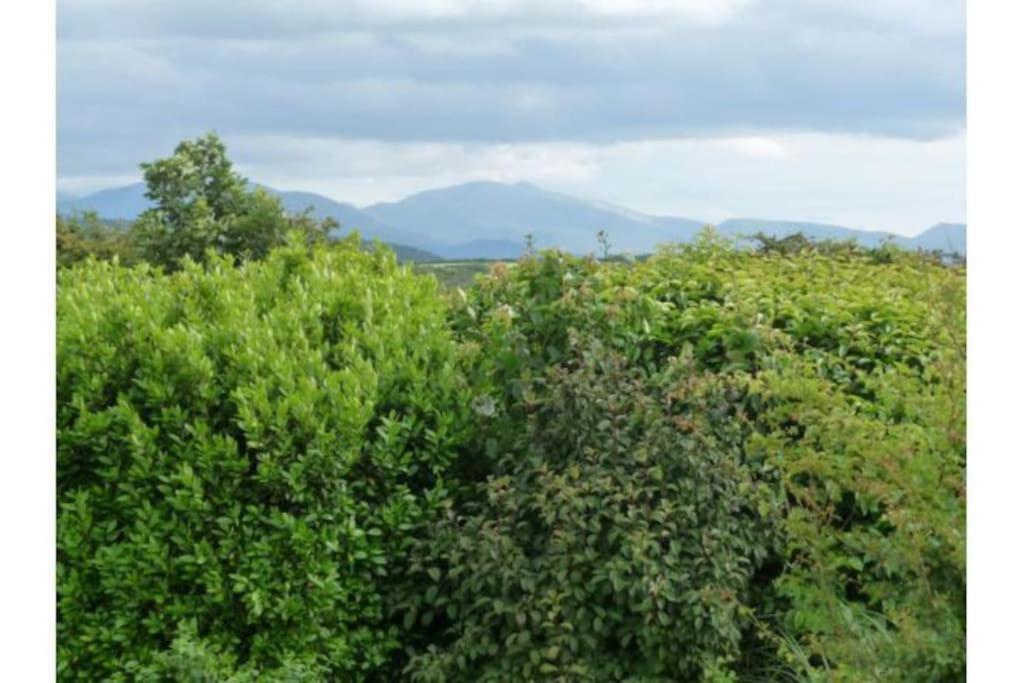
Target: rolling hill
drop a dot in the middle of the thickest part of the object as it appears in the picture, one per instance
(497, 216)
(738, 227)
(947, 237)
(485, 219)
(126, 203)
(942, 236)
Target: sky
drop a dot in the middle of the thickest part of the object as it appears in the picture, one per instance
(821, 110)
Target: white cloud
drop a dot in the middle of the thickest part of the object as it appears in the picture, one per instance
(708, 10)
(366, 171)
(756, 147)
(82, 185)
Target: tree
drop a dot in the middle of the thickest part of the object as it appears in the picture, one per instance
(202, 203)
(604, 242)
(530, 247)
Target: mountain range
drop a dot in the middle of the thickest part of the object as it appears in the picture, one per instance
(486, 219)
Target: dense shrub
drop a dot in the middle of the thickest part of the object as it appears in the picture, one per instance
(848, 371)
(873, 587)
(619, 543)
(84, 235)
(714, 464)
(241, 453)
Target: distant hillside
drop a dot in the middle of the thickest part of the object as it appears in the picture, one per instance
(491, 220)
(489, 249)
(950, 237)
(405, 253)
(483, 213)
(735, 227)
(126, 203)
(350, 217)
(686, 228)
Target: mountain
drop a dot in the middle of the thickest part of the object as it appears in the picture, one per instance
(64, 200)
(404, 253)
(684, 228)
(129, 201)
(126, 203)
(484, 249)
(949, 237)
(484, 212)
(491, 220)
(350, 217)
(736, 227)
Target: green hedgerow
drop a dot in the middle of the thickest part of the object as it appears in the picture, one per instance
(241, 453)
(848, 372)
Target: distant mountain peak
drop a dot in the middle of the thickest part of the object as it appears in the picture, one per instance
(490, 218)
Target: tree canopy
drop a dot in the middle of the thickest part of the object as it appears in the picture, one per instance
(203, 204)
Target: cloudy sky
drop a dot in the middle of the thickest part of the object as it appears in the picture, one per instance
(824, 110)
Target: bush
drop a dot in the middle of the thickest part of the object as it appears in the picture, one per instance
(873, 586)
(715, 464)
(619, 543)
(848, 373)
(85, 235)
(241, 454)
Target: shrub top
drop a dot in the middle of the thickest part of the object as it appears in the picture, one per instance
(240, 451)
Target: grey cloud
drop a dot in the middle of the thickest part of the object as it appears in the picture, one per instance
(133, 78)
(276, 19)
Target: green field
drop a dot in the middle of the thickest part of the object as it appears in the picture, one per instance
(452, 274)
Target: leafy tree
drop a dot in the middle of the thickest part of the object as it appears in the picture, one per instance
(203, 204)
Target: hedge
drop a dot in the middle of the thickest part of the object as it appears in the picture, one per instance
(714, 464)
(241, 454)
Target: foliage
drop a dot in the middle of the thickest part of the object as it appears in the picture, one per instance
(874, 582)
(887, 251)
(241, 453)
(619, 542)
(874, 586)
(80, 236)
(202, 204)
(710, 464)
(848, 369)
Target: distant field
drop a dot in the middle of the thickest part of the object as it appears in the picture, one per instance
(451, 274)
